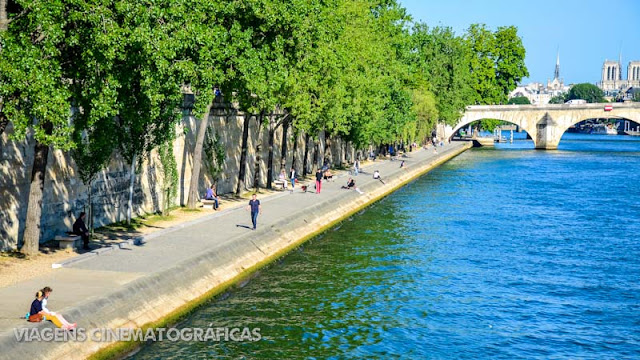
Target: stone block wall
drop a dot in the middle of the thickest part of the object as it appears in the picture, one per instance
(65, 196)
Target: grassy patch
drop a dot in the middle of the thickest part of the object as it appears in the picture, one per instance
(135, 224)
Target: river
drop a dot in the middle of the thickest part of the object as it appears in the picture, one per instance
(500, 253)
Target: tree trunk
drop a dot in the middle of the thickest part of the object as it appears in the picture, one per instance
(3, 14)
(31, 236)
(295, 149)
(192, 199)
(256, 164)
(243, 154)
(272, 132)
(283, 151)
(343, 156)
(90, 209)
(316, 149)
(327, 153)
(132, 180)
(306, 155)
(3, 122)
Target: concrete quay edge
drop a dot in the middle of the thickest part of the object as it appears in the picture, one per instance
(160, 299)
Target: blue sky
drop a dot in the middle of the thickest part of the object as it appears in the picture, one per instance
(587, 32)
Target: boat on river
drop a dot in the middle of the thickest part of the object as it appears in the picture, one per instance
(604, 129)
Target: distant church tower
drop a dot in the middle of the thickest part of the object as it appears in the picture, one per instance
(556, 74)
(555, 86)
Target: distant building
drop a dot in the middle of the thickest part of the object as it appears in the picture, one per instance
(538, 93)
(612, 82)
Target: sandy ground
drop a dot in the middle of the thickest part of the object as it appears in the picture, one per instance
(14, 267)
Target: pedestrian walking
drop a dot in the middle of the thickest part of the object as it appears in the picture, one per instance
(318, 181)
(255, 208)
(292, 176)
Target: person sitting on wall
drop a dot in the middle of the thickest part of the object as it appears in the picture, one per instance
(328, 175)
(283, 178)
(36, 314)
(350, 184)
(212, 194)
(376, 175)
(54, 317)
(79, 228)
(39, 312)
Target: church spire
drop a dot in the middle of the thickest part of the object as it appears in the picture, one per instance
(620, 64)
(556, 74)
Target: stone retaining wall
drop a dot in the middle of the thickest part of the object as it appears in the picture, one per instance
(65, 196)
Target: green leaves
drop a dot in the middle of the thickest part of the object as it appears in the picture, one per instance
(442, 64)
(497, 62)
(358, 69)
(519, 100)
(585, 91)
(33, 89)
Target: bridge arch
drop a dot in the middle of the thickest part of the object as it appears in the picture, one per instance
(547, 123)
(471, 120)
(567, 124)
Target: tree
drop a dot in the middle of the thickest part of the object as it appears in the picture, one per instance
(3, 15)
(35, 95)
(519, 100)
(509, 59)
(150, 94)
(424, 107)
(265, 66)
(210, 39)
(443, 61)
(93, 45)
(586, 91)
(92, 152)
(558, 99)
(497, 62)
(4, 121)
(490, 124)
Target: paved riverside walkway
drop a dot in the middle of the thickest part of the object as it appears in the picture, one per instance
(99, 278)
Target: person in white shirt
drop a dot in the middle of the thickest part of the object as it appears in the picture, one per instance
(376, 175)
(293, 178)
(54, 317)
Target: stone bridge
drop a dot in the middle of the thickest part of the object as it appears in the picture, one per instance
(546, 123)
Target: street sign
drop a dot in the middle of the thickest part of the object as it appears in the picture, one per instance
(608, 107)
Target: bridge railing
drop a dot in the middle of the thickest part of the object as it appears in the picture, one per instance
(628, 105)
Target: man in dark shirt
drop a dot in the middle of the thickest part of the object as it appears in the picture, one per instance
(255, 208)
(79, 228)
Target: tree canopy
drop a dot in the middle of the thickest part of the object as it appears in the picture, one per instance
(585, 91)
(359, 69)
(519, 100)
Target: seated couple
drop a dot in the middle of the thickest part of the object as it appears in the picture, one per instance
(39, 311)
(212, 194)
(328, 175)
